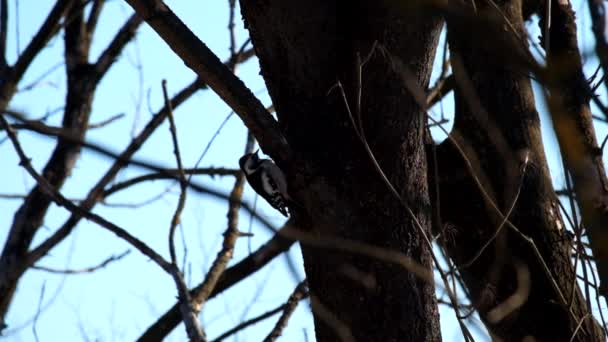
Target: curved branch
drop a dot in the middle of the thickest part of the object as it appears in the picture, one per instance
(209, 68)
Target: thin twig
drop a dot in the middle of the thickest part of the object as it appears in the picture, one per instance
(168, 174)
(74, 139)
(579, 326)
(217, 132)
(38, 311)
(90, 269)
(106, 121)
(504, 220)
(249, 322)
(341, 329)
(182, 176)
(3, 33)
(231, 5)
(39, 79)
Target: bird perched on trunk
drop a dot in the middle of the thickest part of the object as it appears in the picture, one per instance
(267, 179)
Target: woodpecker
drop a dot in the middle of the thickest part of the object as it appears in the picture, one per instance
(267, 179)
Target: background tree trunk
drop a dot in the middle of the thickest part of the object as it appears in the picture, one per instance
(499, 130)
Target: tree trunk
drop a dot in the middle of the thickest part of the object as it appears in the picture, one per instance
(304, 49)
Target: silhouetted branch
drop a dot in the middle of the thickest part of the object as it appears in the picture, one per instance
(3, 33)
(209, 68)
(110, 54)
(48, 29)
(168, 174)
(94, 15)
(250, 322)
(61, 201)
(243, 269)
(300, 292)
(95, 194)
(90, 269)
(183, 183)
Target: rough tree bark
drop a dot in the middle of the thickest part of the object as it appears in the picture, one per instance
(304, 49)
(498, 128)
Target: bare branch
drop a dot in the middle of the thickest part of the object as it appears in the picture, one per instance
(95, 194)
(250, 322)
(441, 88)
(168, 174)
(34, 330)
(61, 201)
(106, 121)
(297, 295)
(76, 140)
(3, 33)
(231, 5)
(48, 29)
(91, 269)
(209, 68)
(193, 328)
(243, 269)
(94, 15)
(111, 53)
(182, 177)
(194, 331)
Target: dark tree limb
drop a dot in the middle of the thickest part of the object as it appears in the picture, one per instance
(111, 53)
(12, 75)
(209, 68)
(3, 33)
(94, 15)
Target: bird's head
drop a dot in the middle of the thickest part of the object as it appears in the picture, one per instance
(249, 162)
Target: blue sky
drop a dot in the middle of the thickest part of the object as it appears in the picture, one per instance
(117, 303)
